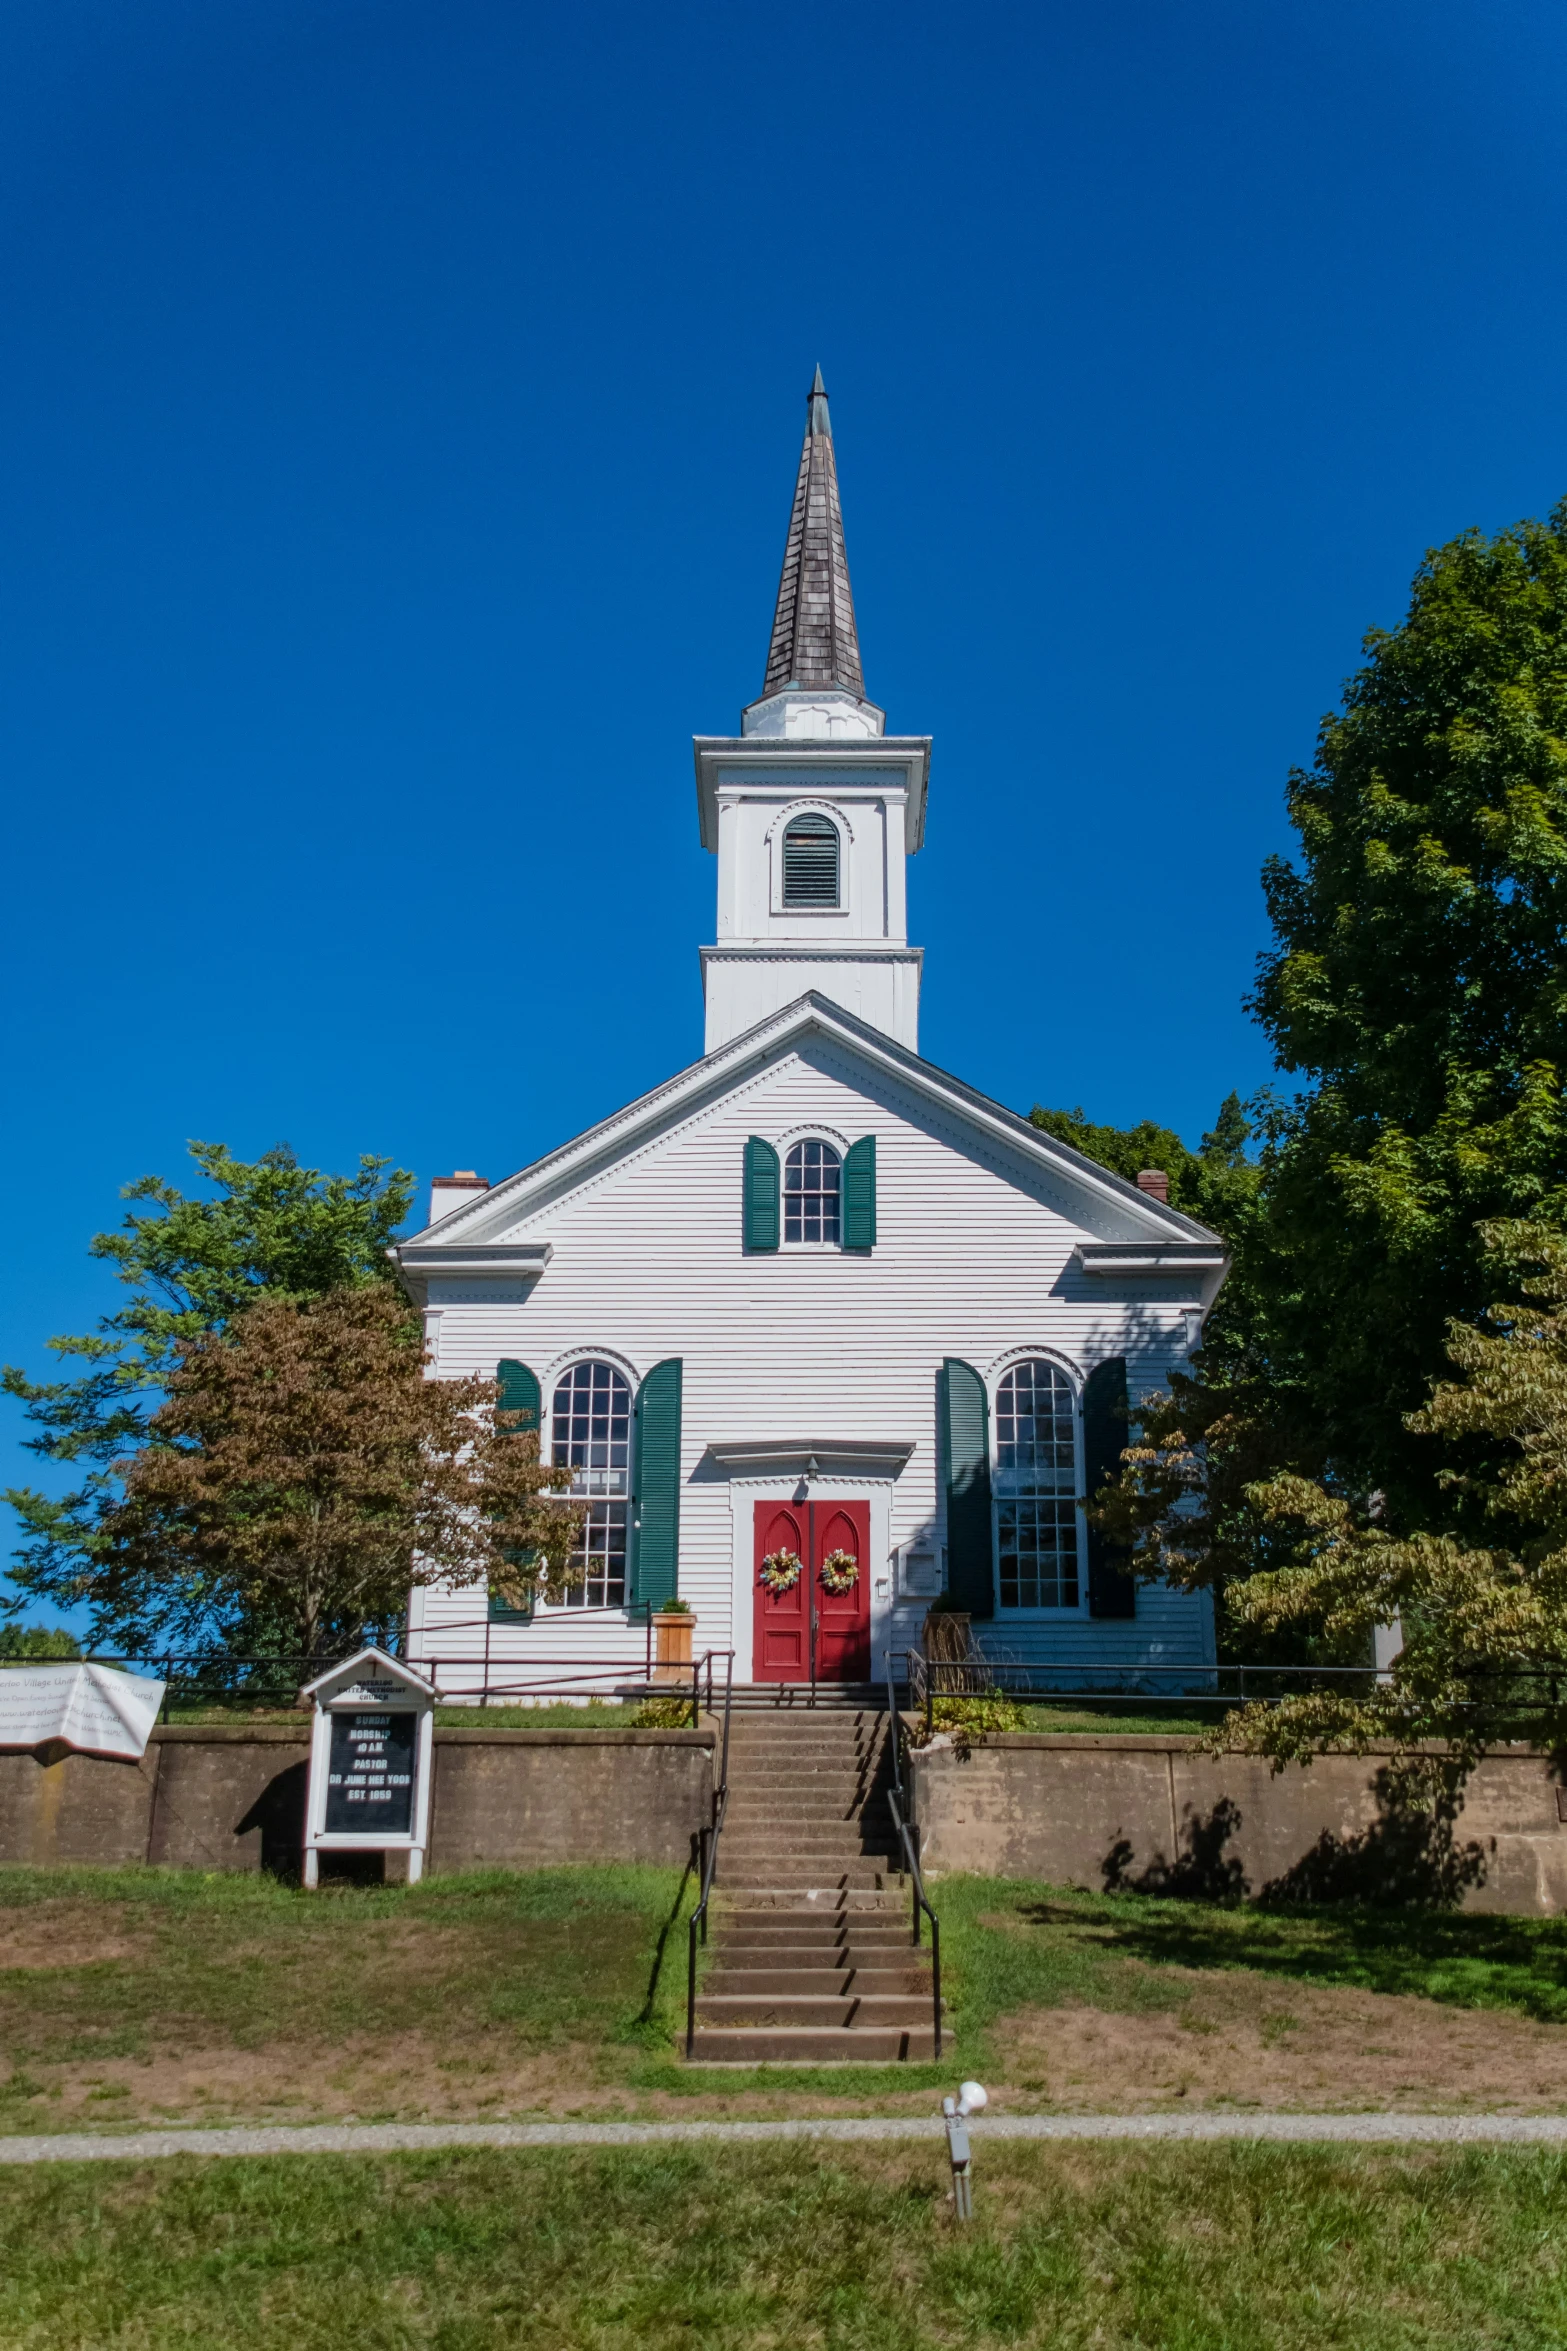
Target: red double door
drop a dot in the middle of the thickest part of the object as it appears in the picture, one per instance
(785, 1622)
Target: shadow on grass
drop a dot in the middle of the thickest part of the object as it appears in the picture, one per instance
(1466, 1960)
(645, 2013)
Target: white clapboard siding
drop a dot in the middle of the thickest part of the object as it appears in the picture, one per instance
(973, 1259)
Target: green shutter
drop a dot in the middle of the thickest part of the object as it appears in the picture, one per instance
(965, 1416)
(859, 1194)
(761, 1195)
(1112, 1588)
(655, 1485)
(519, 1392)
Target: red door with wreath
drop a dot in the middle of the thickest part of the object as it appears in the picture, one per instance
(828, 1600)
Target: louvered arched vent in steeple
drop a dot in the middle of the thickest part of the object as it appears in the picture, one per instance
(810, 862)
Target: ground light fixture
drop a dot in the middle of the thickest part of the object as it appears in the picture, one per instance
(972, 2098)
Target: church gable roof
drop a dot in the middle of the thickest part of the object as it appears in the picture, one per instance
(1141, 1234)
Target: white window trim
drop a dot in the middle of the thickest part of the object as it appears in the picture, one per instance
(783, 1147)
(1075, 1381)
(609, 1612)
(775, 863)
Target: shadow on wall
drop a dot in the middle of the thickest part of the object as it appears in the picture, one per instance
(279, 1813)
(1201, 1872)
(1410, 1856)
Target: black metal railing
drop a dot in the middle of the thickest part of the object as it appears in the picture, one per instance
(707, 1857)
(467, 1676)
(1514, 1691)
(909, 1838)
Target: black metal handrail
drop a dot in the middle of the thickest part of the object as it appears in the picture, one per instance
(1224, 1686)
(708, 1851)
(197, 1677)
(910, 1841)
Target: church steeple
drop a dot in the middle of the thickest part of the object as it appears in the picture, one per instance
(813, 808)
(815, 642)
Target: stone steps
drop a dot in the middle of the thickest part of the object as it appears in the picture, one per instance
(826, 2009)
(805, 2045)
(811, 1961)
(740, 1977)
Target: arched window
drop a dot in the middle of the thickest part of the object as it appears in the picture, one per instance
(1036, 1487)
(811, 1193)
(590, 1430)
(810, 862)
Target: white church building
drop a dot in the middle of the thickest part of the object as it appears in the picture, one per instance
(815, 1298)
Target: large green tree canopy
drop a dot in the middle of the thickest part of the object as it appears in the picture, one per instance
(1418, 985)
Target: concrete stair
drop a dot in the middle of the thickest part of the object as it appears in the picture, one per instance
(811, 1961)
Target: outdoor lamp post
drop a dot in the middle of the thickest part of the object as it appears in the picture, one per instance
(972, 2098)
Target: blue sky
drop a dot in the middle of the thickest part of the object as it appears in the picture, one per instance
(400, 407)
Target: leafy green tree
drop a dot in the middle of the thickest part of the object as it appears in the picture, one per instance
(39, 1644)
(1418, 985)
(1484, 1623)
(1216, 1183)
(267, 1227)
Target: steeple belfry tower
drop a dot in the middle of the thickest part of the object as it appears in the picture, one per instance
(812, 807)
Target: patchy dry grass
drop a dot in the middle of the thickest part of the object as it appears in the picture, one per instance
(146, 1995)
(142, 1993)
(1100, 2002)
(1081, 2248)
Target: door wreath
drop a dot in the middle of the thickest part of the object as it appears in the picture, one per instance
(779, 1571)
(840, 1572)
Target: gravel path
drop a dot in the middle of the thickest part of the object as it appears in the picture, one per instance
(392, 2138)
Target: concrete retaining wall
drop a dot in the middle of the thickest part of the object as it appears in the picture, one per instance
(233, 1797)
(1162, 1815)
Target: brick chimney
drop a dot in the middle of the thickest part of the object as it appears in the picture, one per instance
(1154, 1182)
(455, 1191)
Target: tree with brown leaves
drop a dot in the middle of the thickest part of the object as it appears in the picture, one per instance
(305, 1474)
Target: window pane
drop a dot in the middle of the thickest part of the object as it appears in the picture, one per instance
(811, 1175)
(1035, 1437)
(596, 1571)
(1037, 1554)
(590, 1428)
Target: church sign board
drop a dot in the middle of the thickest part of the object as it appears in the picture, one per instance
(369, 1762)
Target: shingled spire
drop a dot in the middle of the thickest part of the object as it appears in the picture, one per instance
(815, 642)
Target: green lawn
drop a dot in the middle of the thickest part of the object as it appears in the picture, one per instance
(150, 1994)
(1014, 1943)
(141, 1992)
(1108, 1716)
(1083, 2249)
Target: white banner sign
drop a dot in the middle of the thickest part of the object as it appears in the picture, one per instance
(94, 1708)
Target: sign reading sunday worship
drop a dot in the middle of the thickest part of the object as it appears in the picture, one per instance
(370, 1752)
(370, 1773)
